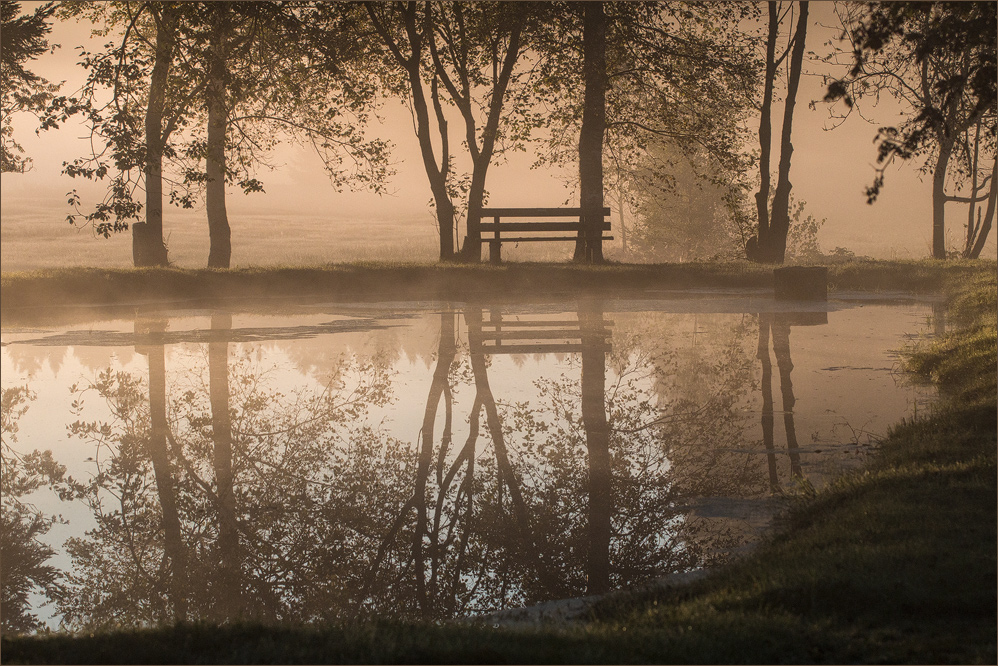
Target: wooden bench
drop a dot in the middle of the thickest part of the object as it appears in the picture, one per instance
(498, 335)
(497, 228)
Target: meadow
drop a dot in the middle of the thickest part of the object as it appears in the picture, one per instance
(35, 236)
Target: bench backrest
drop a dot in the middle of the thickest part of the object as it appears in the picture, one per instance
(536, 212)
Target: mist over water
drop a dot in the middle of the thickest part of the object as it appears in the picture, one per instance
(432, 460)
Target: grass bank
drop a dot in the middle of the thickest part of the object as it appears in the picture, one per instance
(411, 281)
(896, 563)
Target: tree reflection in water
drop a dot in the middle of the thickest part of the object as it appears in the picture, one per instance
(214, 502)
(219, 493)
(779, 323)
(24, 567)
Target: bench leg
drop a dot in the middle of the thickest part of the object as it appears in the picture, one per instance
(494, 256)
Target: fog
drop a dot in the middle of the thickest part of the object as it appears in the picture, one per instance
(301, 218)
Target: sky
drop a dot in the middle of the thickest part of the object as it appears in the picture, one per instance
(831, 168)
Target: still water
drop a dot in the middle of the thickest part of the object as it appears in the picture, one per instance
(419, 460)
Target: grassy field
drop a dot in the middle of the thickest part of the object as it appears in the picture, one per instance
(896, 563)
(35, 236)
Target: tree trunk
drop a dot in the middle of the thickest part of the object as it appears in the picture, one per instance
(472, 251)
(752, 249)
(598, 446)
(939, 197)
(166, 485)
(446, 220)
(220, 251)
(620, 216)
(437, 175)
(972, 207)
(589, 246)
(228, 596)
(411, 64)
(989, 215)
(148, 248)
(776, 248)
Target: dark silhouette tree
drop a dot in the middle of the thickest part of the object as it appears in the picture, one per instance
(939, 59)
(589, 247)
(676, 74)
(983, 188)
(770, 243)
(279, 69)
(249, 72)
(132, 131)
(467, 54)
(22, 38)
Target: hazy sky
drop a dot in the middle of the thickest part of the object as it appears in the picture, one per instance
(830, 170)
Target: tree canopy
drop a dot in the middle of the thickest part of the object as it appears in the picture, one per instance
(939, 59)
(23, 38)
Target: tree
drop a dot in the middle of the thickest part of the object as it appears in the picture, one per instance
(148, 248)
(259, 70)
(770, 244)
(275, 69)
(678, 74)
(132, 131)
(694, 214)
(939, 59)
(469, 53)
(23, 38)
(978, 229)
(589, 247)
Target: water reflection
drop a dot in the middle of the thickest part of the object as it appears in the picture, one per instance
(224, 483)
(23, 557)
(779, 324)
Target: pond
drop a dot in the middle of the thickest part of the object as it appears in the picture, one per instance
(292, 462)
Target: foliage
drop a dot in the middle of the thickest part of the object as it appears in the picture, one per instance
(23, 39)
(288, 74)
(23, 556)
(939, 60)
(680, 73)
(802, 241)
(113, 101)
(690, 216)
(949, 45)
(467, 55)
